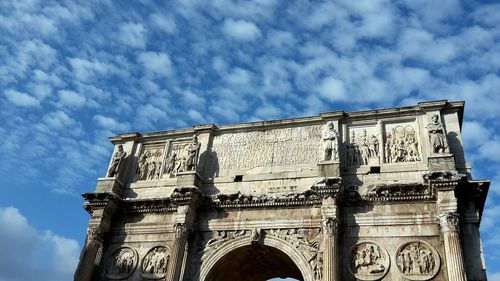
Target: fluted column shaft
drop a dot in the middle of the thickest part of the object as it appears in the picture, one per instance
(330, 250)
(177, 253)
(452, 247)
(88, 259)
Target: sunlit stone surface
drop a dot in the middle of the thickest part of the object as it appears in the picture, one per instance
(373, 195)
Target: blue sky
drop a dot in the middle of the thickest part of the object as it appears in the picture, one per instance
(73, 73)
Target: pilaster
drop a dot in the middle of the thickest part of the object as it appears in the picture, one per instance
(188, 200)
(450, 227)
(101, 206)
(330, 227)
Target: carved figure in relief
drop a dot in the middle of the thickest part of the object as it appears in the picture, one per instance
(171, 164)
(152, 171)
(255, 237)
(352, 152)
(364, 148)
(116, 162)
(192, 150)
(436, 135)
(154, 264)
(417, 259)
(121, 263)
(401, 145)
(330, 142)
(369, 262)
(142, 168)
(374, 147)
(181, 165)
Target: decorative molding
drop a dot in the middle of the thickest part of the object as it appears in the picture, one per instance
(238, 200)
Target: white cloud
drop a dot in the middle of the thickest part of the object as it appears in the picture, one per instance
(132, 35)
(156, 63)
(196, 115)
(89, 70)
(71, 99)
(422, 46)
(239, 77)
(241, 30)
(110, 123)
(164, 22)
(474, 134)
(59, 120)
(30, 254)
(21, 99)
(281, 39)
(332, 89)
(193, 99)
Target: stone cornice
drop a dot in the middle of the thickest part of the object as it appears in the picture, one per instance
(238, 200)
(98, 200)
(310, 120)
(382, 193)
(152, 205)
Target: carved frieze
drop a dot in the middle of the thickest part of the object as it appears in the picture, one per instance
(121, 263)
(239, 200)
(368, 261)
(401, 143)
(417, 260)
(363, 147)
(276, 147)
(150, 163)
(309, 248)
(155, 263)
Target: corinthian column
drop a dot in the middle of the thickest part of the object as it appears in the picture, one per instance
(178, 252)
(452, 247)
(89, 257)
(330, 249)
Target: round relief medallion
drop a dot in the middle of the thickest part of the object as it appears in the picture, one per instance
(121, 263)
(154, 264)
(368, 261)
(417, 260)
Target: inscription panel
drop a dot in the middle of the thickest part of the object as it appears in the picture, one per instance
(278, 147)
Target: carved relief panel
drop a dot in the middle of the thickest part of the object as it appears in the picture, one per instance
(150, 162)
(155, 263)
(417, 260)
(182, 156)
(401, 143)
(368, 261)
(276, 147)
(363, 146)
(121, 263)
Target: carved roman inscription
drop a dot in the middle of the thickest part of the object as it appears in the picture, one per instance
(287, 146)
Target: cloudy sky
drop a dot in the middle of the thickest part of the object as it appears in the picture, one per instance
(72, 74)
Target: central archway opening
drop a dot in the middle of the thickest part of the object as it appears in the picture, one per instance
(254, 263)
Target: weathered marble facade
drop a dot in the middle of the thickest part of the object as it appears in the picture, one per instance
(373, 195)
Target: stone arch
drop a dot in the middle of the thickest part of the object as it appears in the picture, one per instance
(276, 243)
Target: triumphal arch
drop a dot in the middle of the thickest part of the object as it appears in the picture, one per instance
(373, 195)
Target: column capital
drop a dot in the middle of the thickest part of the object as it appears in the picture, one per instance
(330, 226)
(181, 231)
(94, 234)
(449, 222)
